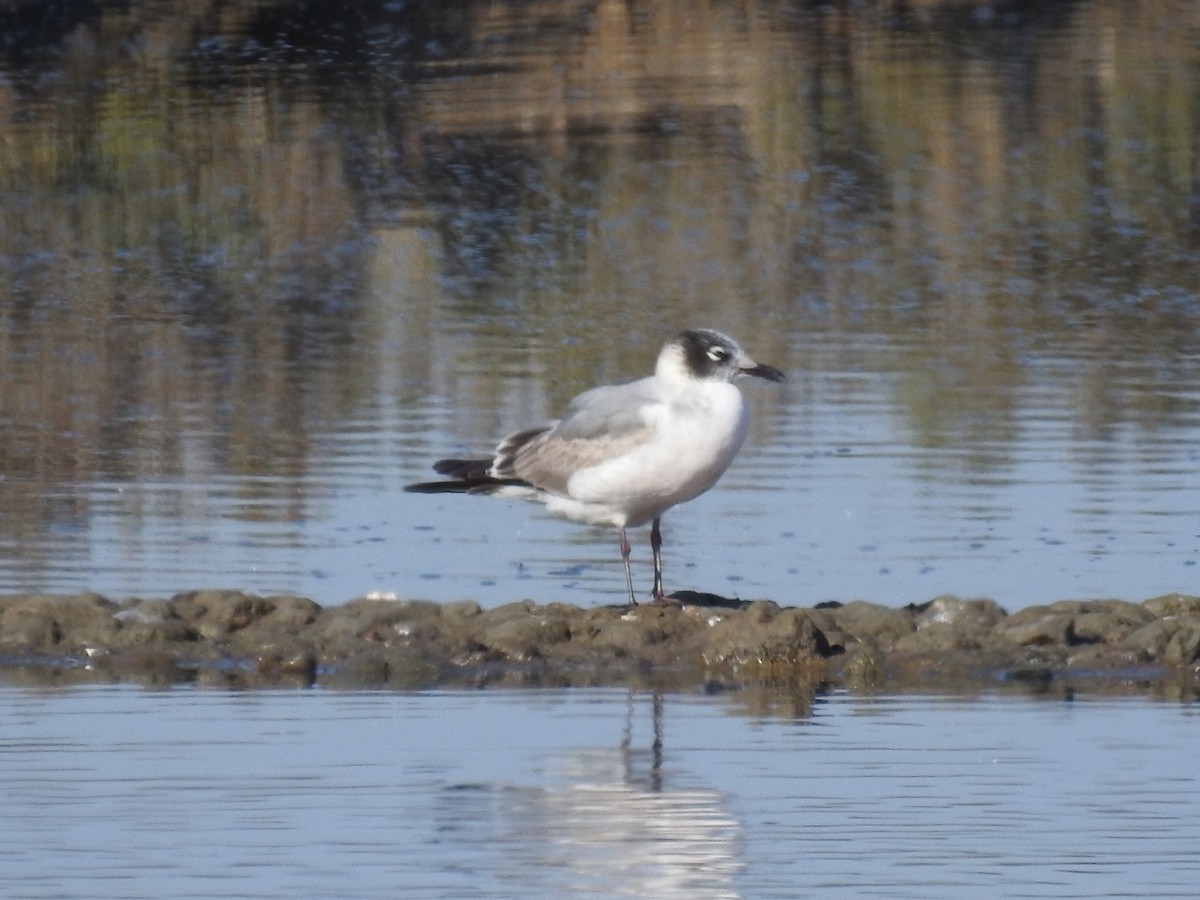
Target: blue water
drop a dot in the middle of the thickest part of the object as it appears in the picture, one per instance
(197, 792)
(259, 270)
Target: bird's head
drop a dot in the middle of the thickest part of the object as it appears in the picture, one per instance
(704, 355)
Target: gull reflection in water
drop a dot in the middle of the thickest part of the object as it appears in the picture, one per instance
(609, 820)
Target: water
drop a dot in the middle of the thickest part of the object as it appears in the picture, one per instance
(192, 792)
(261, 267)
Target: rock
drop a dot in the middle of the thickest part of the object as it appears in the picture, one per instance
(378, 621)
(216, 614)
(368, 668)
(461, 609)
(150, 622)
(1100, 628)
(42, 621)
(135, 611)
(1129, 613)
(525, 638)
(630, 635)
(300, 665)
(864, 669)
(871, 623)
(1040, 626)
(29, 628)
(1172, 605)
(233, 638)
(290, 613)
(223, 614)
(1150, 641)
(935, 639)
(763, 635)
(949, 623)
(150, 666)
(1100, 657)
(144, 634)
(1183, 647)
(393, 667)
(966, 616)
(283, 624)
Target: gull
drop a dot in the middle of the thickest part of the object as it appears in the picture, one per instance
(622, 455)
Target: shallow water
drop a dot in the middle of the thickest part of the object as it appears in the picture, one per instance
(192, 792)
(262, 267)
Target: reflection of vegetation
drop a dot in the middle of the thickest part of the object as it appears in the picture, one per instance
(196, 211)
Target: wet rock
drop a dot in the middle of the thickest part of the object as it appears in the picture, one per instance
(367, 668)
(529, 636)
(630, 635)
(394, 667)
(1103, 656)
(138, 611)
(1149, 642)
(950, 623)
(1183, 647)
(1042, 626)
(150, 622)
(28, 627)
(237, 639)
(282, 630)
(153, 667)
(864, 669)
(968, 616)
(300, 665)
(461, 610)
(42, 621)
(379, 621)
(872, 623)
(286, 613)
(762, 634)
(1038, 678)
(167, 631)
(1127, 613)
(1172, 605)
(216, 614)
(1100, 628)
(937, 638)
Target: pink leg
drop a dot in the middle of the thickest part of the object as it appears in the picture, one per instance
(625, 559)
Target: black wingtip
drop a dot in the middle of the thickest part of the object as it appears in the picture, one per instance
(437, 487)
(485, 485)
(463, 469)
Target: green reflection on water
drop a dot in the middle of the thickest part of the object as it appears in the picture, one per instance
(229, 232)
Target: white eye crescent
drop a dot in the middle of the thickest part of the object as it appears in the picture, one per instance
(718, 354)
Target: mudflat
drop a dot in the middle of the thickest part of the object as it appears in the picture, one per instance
(235, 638)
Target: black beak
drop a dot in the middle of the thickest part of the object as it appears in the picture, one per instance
(770, 373)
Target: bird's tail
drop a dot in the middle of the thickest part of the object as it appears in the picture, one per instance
(468, 476)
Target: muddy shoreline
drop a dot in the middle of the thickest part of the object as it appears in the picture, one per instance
(232, 638)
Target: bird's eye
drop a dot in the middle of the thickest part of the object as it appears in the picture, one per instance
(718, 354)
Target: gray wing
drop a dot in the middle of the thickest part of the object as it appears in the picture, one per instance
(600, 424)
(608, 412)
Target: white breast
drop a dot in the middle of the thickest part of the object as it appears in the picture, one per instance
(696, 435)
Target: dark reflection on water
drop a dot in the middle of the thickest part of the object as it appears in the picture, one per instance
(121, 792)
(263, 262)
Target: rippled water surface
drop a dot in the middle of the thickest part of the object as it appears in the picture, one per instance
(124, 792)
(262, 264)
